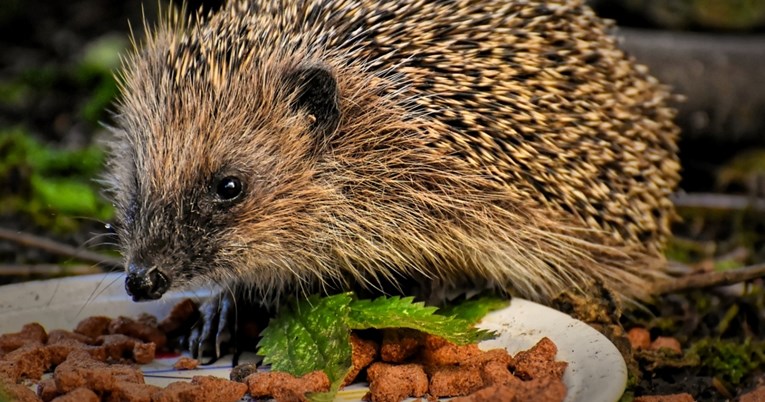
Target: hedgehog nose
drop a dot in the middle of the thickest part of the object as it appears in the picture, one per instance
(145, 284)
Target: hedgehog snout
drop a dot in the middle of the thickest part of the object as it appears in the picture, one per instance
(145, 283)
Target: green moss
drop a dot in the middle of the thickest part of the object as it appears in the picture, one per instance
(730, 14)
(13, 93)
(727, 265)
(627, 396)
(666, 324)
(687, 251)
(729, 360)
(726, 319)
(742, 169)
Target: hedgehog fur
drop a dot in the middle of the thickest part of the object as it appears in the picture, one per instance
(507, 144)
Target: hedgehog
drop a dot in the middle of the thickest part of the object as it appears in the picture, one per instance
(278, 148)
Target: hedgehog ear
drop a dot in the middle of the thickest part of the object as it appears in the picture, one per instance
(317, 94)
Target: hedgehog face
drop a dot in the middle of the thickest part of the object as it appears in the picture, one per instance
(213, 189)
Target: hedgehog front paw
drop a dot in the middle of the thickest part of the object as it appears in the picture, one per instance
(228, 323)
(214, 328)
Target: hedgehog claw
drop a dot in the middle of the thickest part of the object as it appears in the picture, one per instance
(225, 326)
(214, 328)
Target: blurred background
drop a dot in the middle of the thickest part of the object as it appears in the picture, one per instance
(56, 87)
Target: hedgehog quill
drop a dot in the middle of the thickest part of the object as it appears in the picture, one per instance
(424, 147)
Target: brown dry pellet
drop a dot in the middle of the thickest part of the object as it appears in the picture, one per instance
(58, 352)
(536, 365)
(147, 319)
(179, 317)
(81, 370)
(117, 346)
(493, 366)
(144, 353)
(30, 333)
(78, 395)
(60, 335)
(499, 392)
(74, 373)
(454, 380)
(285, 387)
(494, 355)
(93, 327)
(538, 362)
(18, 392)
(29, 361)
(496, 373)
(543, 389)
(179, 391)
(392, 383)
(126, 391)
(139, 330)
(9, 371)
(46, 389)
(201, 388)
(219, 389)
(546, 389)
(185, 363)
(439, 352)
(125, 372)
(364, 353)
(398, 344)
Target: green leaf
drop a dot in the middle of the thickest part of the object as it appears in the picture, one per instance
(314, 334)
(309, 335)
(397, 312)
(473, 310)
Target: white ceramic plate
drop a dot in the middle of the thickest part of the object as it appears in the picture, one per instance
(596, 371)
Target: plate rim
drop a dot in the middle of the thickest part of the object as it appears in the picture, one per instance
(529, 322)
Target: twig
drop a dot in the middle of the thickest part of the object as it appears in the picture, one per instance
(711, 279)
(47, 269)
(52, 246)
(718, 201)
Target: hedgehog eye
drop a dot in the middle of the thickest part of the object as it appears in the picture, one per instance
(228, 188)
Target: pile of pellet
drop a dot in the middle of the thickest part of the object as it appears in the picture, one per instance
(100, 361)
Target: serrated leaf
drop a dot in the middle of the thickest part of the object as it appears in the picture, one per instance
(397, 312)
(309, 335)
(473, 310)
